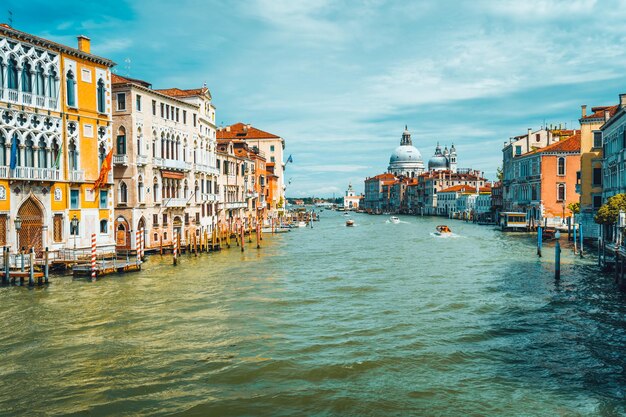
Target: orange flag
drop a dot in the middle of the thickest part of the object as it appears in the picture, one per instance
(104, 171)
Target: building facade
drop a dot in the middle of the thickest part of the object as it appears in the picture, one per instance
(55, 113)
(351, 200)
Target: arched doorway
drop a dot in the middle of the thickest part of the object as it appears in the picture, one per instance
(122, 233)
(31, 232)
(178, 226)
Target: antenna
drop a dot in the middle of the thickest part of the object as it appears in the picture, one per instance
(10, 18)
(127, 61)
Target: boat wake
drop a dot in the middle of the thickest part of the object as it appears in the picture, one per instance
(445, 235)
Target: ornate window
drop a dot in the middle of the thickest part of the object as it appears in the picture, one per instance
(56, 154)
(52, 84)
(140, 189)
(121, 141)
(29, 152)
(40, 88)
(104, 226)
(101, 96)
(71, 89)
(72, 155)
(42, 154)
(102, 153)
(155, 189)
(12, 74)
(3, 149)
(123, 193)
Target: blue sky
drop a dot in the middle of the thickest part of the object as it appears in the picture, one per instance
(340, 79)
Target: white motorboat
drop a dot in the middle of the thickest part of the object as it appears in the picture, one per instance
(394, 220)
(301, 224)
(350, 223)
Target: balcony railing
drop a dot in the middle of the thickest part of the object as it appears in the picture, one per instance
(29, 99)
(120, 159)
(31, 173)
(210, 197)
(142, 160)
(175, 202)
(172, 164)
(206, 168)
(233, 205)
(77, 175)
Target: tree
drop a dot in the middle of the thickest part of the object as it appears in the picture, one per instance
(574, 207)
(608, 213)
(500, 174)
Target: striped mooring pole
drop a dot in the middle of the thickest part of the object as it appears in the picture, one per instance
(175, 249)
(93, 257)
(142, 244)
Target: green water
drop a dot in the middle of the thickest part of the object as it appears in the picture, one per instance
(380, 319)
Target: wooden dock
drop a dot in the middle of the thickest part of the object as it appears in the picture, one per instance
(106, 267)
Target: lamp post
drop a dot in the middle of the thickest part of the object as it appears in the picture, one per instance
(18, 227)
(74, 227)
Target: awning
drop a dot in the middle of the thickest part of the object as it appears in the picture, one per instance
(173, 175)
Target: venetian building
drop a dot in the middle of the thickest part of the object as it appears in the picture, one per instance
(406, 160)
(55, 113)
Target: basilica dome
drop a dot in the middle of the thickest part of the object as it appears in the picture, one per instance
(438, 161)
(406, 160)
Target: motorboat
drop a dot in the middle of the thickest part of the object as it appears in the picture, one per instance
(443, 230)
(394, 220)
(350, 223)
(301, 224)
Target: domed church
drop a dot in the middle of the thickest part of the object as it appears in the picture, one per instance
(445, 160)
(406, 160)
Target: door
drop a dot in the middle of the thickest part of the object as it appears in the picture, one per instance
(31, 232)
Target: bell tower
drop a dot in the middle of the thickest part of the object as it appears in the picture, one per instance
(406, 137)
(452, 158)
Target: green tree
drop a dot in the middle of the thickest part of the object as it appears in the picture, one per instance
(500, 174)
(608, 213)
(574, 207)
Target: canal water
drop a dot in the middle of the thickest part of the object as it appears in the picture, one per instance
(380, 319)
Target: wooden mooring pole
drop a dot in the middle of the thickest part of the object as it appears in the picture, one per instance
(31, 269)
(539, 240)
(557, 257)
(46, 266)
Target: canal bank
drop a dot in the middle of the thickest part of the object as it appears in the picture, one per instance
(376, 319)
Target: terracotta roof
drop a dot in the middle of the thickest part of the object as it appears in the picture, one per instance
(383, 177)
(598, 112)
(466, 189)
(118, 79)
(243, 131)
(177, 92)
(571, 144)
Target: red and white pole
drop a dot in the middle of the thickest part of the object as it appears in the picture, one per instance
(142, 244)
(93, 256)
(175, 248)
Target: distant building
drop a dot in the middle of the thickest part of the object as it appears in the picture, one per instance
(376, 192)
(351, 201)
(406, 160)
(445, 160)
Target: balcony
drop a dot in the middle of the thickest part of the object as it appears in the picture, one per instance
(31, 173)
(120, 160)
(172, 164)
(76, 175)
(29, 99)
(175, 203)
(142, 160)
(210, 197)
(233, 205)
(206, 169)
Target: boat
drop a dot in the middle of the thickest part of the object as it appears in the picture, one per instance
(350, 222)
(443, 230)
(394, 220)
(346, 214)
(301, 224)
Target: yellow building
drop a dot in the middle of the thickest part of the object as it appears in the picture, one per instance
(55, 130)
(589, 181)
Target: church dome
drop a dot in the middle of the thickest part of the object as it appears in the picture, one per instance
(405, 153)
(438, 160)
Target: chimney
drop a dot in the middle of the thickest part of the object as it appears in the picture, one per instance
(84, 44)
(228, 128)
(607, 115)
(530, 131)
(584, 110)
(622, 100)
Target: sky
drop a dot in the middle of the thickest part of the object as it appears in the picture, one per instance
(339, 80)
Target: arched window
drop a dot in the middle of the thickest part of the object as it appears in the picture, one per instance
(155, 189)
(29, 152)
(12, 74)
(121, 141)
(16, 144)
(140, 189)
(102, 153)
(123, 193)
(52, 84)
(561, 166)
(71, 89)
(561, 192)
(42, 160)
(101, 96)
(162, 146)
(56, 154)
(27, 86)
(139, 137)
(40, 87)
(1, 73)
(3, 150)
(72, 155)
(104, 226)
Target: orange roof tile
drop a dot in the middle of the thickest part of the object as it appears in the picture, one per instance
(118, 79)
(570, 144)
(598, 112)
(243, 131)
(466, 189)
(177, 92)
